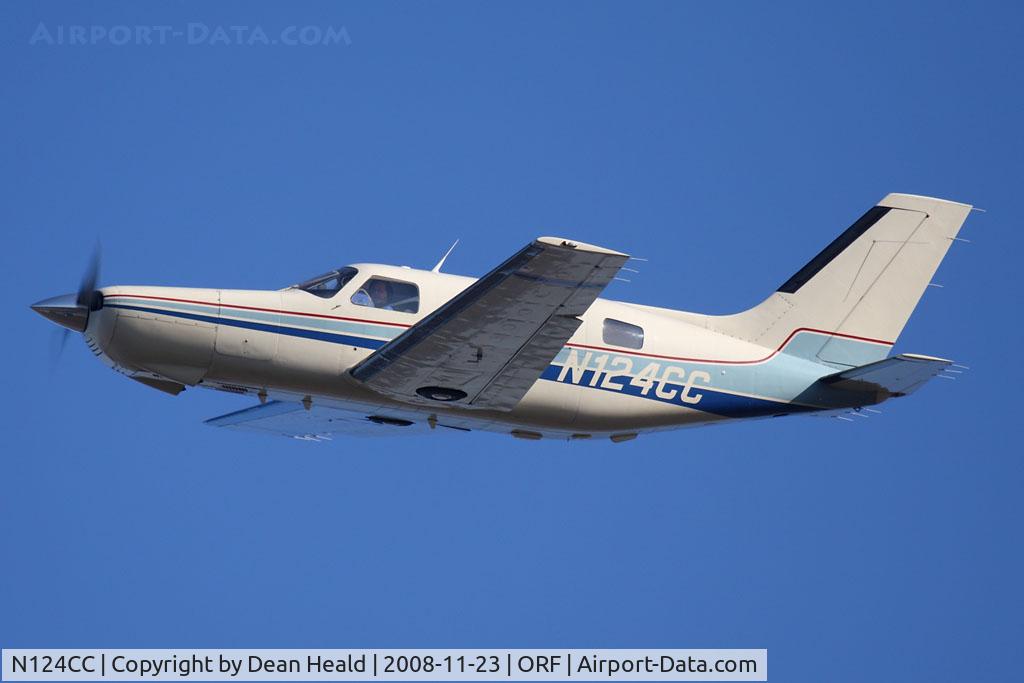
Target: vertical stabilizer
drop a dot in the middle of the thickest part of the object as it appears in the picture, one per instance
(856, 295)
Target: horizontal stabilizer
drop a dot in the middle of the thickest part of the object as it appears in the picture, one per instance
(896, 376)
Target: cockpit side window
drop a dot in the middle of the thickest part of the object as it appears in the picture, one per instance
(618, 333)
(391, 295)
(328, 284)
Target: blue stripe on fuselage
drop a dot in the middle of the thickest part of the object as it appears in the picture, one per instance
(712, 401)
(349, 340)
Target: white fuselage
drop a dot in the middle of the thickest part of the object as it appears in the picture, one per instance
(292, 345)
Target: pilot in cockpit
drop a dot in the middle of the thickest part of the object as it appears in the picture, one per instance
(376, 294)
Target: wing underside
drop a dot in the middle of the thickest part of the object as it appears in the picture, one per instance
(487, 346)
(316, 423)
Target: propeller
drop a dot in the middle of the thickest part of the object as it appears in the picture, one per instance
(87, 286)
(71, 311)
(62, 341)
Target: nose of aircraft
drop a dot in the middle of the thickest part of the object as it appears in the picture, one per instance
(65, 310)
(72, 310)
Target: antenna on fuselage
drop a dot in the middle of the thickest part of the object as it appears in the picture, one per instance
(437, 268)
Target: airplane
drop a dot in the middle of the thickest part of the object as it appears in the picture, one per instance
(530, 349)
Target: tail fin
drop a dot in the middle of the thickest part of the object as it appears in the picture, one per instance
(855, 297)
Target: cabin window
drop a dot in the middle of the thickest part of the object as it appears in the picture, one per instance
(618, 333)
(391, 295)
(328, 284)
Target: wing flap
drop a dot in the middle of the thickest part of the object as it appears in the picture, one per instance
(490, 343)
(897, 376)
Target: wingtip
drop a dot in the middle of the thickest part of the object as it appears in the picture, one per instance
(581, 246)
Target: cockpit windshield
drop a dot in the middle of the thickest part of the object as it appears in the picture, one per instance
(328, 284)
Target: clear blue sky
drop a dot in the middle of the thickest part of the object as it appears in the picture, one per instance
(726, 142)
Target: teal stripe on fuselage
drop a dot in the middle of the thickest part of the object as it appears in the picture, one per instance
(270, 318)
(843, 352)
(780, 379)
(783, 377)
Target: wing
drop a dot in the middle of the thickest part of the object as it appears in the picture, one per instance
(487, 346)
(318, 423)
(896, 376)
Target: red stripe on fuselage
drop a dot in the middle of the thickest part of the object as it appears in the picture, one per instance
(792, 334)
(571, 345)
(257, 308)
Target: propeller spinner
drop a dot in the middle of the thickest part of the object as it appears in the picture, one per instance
(72, 310)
